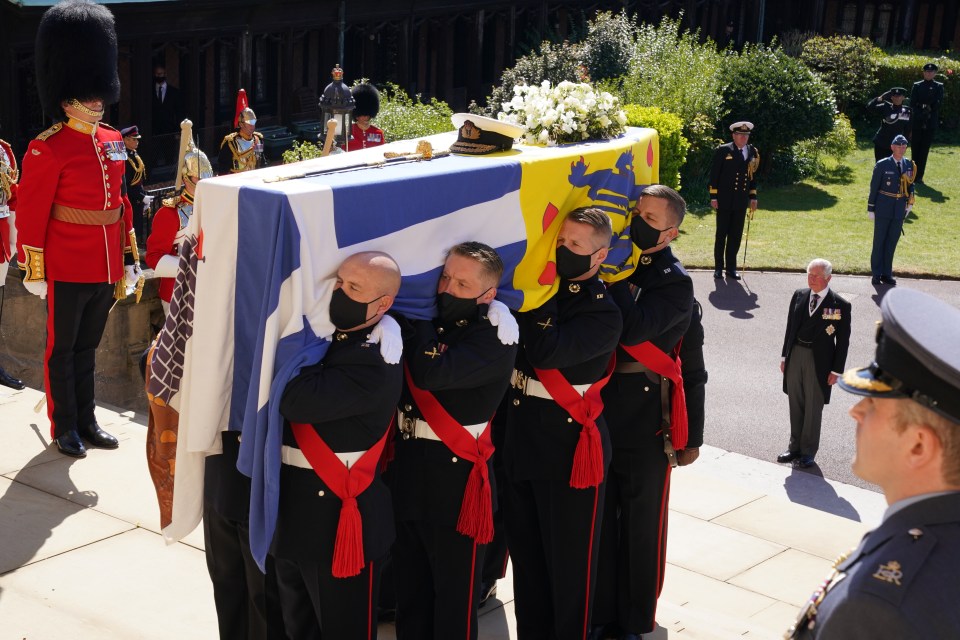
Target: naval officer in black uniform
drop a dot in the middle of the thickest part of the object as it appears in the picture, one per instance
(733, 189)
(457, 370)
(902, 581)
(926, 96)
(557, 448)
(335, 520)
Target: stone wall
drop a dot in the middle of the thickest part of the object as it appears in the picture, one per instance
(130, 328)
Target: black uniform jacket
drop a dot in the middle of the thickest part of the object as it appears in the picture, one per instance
(466, 367)
(655, 301)
(901, 582)
(729, 184)
(893, 121)
(136, 177)
(349, 398)
(829, 329)
(576, 331)
(925, 99)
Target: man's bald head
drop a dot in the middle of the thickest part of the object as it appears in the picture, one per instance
(382, 270)
(371, 278)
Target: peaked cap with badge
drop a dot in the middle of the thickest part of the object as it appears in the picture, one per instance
(918, 354)
(479, 135)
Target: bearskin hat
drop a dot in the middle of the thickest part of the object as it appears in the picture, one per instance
(367, 98)
(76, 56)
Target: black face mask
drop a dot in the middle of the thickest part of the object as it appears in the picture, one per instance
(159, 79)
(346, 313)
(453, 308)
(643, 235)
(572, 265)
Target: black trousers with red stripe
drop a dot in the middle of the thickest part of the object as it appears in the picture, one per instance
(553, 532)
(345, 607)
(633, 542)
(437, 573)
(76, 317)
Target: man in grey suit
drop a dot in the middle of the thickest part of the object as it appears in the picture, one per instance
(901, 580)
(814, 352)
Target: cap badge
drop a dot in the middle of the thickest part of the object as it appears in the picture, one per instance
(574, 287)
(645, 260)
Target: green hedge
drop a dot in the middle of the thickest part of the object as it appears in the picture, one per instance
(902, 70)
(673, 145)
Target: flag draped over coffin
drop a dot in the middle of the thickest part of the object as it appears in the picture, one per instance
(270, 251)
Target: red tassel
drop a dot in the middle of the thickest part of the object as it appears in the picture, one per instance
(476, 510)
(679, 423)
(348, 548)
(587, 459)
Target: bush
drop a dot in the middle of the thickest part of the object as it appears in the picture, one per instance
(785, 100)
(675, 72)
(807, 155)
(673, 144)
(792, 42)
(696, 174)
(846, 63)
(608, 46)
(553, 62)
(301, 151)
(404, 118)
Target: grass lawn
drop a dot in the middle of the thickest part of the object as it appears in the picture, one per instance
(826, 217)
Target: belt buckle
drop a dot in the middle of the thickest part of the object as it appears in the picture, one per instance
(407, 427)
(521, 382)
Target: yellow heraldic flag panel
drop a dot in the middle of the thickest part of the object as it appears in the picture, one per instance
(608, 175)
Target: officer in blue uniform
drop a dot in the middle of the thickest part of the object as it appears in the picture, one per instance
(895, 119)
(891, 198)
(902, 579)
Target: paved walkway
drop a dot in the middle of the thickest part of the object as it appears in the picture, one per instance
(81, 556)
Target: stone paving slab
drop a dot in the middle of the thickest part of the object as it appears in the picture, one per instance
(714, 550)
(119, 587)
(795, 526)
(789, 577)
(35, 525)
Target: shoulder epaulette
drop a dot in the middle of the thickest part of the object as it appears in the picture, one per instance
(228, 138)
(49, 132)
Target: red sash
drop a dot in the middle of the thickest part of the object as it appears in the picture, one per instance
(476, 510)
(675, 416)
(347, 484)
(588, 458)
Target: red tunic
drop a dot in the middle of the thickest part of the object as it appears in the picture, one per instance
(360, 139)
(7, 158)
(68, 167)
(164, 240)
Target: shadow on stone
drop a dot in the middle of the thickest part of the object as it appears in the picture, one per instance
(731, 295)
(809, 488)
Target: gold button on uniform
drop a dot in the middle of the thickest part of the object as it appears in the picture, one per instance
(569, 419)
(516, 402)
(454, 459)
(320, 493)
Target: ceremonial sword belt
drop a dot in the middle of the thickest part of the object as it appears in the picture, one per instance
(892, 195)
(530, 387)
(412, 427)
(84, 216)
(295, 458)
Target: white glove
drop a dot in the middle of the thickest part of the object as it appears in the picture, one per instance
(132, 275)
(507, 328)
(36, 288)
(147, 201)
(909, 208)
(870, 215)
(167, 267)
(387, 333)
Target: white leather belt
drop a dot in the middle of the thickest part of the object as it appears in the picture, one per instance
(295, 458)
(416, 428)
(530, 387)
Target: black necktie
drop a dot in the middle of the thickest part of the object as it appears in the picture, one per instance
(160, 93)
(813, 302)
